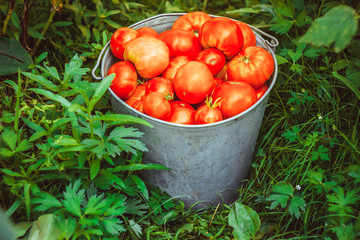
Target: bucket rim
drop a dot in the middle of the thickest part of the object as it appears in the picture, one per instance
(270, 49)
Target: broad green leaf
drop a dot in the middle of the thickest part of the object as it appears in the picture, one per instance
(278, 199)
(73, 70)
(59, 123)
(99, 92)
(65, 140)
(141, 185)
(44, 228)
(34, 33)
(45, 201)
(337, 26)
(94, 168)
(135, 206)
(52, 96)
(85, 31)
(296, 204)
(283, 188)
(13, 57)
(280, 60)
(61, 24)
(21, 228)
(42, 81)
(120, 119)
(9, 137)
(38, 135)
(23, 146)
(112, 12)
(6, 152)
(113, 225)
(11, 173)
(73, 198)
(32, 125)
(245, 222)
(348, 83)
(281, 25)
(52, 71)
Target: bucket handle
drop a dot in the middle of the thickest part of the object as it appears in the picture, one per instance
(273, 41)
(99, 62)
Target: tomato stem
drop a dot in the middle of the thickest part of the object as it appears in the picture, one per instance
(245, 59)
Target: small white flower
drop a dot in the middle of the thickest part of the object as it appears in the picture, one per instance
(320, 117)
(298, 187)
(325, 224)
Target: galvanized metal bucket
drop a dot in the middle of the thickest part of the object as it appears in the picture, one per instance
(208, 162)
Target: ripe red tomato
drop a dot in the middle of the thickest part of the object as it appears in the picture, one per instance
(161, 85)
(149, 55)
(223, 73)
(249, 36)
(125, 81)
(147, 32)
(120, 39)
(182, 113)
(174, 66)
(138, 94)
(207, 114)
(261, 91)
(213, 58)
(193, 82)
(191, 22)
(235, 97)
(181, 43)
(253, 65)
(139, 105)
(155, 105)
(223, 34)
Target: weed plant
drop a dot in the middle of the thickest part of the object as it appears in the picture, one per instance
(69, 165)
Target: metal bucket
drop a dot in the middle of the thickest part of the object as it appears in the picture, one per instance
(208, 161)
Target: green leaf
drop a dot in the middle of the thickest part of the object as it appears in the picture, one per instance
(245, 222)
(6, 152)
(339, 201)
(296, 203)
(348, 83)
(52, 96)
(11, 173)
(321, 153)
(281, 25)
(23, 146)
(337, 26)
(135, 206)
(280, 60)
(85, 31)
(9, 137)
(45, 201)
(32, 125)
(73, 198)
(94, 168)
(121, 119)
(13, 57)
(99, 92)
(137, 167)
(58, 123)
(73, 70)
(292, 135)
(113, 225)
(278, 199)
(141, 185)
(42, 81)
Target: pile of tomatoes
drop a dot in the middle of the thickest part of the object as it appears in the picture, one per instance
(203, 70)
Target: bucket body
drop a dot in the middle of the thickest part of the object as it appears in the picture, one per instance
(207, 162)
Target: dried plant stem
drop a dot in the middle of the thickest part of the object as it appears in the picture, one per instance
(8, 15)
(46, 27)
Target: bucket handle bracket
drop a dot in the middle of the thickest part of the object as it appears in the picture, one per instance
(98, 62)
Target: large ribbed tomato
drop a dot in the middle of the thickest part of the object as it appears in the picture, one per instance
(253, 65)
(174, 66)
(249, 36)
(120, 39)
(181, 43)
(235, 97)
(193, 82)
(149, 55)
(125, 81)
(191, 22)
(223, 34)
